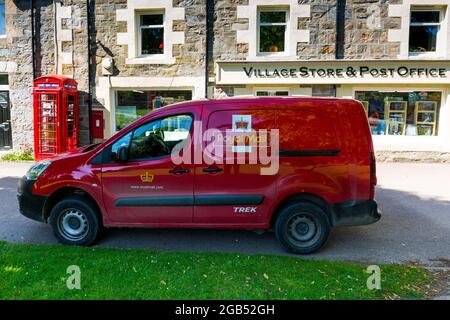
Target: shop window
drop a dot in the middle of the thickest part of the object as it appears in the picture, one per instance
(151, 34)
(424, 30)
(272, 31)
(272, 93)
(132, 105)
(414, 113)
(324, 90)
(2, 19)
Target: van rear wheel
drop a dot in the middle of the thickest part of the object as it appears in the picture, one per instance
(302, 227)
(75, 221)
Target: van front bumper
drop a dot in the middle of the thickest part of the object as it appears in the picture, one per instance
(30, 205)
(355, 213)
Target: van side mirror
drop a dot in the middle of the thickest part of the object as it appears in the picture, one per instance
(122, 154)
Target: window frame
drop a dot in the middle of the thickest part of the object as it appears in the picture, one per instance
(439, 25)
(139, 32)
(271, 90)
(261, 9)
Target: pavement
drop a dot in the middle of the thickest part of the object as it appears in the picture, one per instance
(415, 226)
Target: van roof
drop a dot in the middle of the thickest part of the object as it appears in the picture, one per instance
(258, 99)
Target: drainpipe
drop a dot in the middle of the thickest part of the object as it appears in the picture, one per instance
(340, 29)
(33, 44)
(209, 34)
(89, 45)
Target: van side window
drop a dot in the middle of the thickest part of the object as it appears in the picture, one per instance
(124, 141)
(157, 138)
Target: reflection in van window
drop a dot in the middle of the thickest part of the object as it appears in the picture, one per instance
(124, 141)
(157, 138)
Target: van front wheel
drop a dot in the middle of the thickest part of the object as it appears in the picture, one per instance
(75, 221)
(302, 227)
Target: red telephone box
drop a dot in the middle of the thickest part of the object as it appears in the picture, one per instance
(55, 100)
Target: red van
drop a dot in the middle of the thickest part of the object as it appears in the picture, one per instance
(324, 175)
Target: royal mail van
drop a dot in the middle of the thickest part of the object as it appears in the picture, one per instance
(297, 166)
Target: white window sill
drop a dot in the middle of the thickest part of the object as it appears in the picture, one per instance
(273, 57)
(425, 55)
(150, 60)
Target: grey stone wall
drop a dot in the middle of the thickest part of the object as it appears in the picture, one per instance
(226, 24)
(189, 56)
(322, 27)
(413, 156)
(19, 50)
(365, 34)
(17, 47)
(366, 27)
(80, 67)
(45, 34)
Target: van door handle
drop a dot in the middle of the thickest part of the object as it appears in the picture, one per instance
(212, 169)
(179, 171)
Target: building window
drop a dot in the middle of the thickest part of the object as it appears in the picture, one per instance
(424, 30)
(324, 90)
(272, 25)
(272, 93)
(414, 113)
(3, 79)
(132, 105)
(2, 19)
(151, 34)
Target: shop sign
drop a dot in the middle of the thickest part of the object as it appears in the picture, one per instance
(333, 72)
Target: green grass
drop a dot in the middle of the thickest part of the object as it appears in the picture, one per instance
(30, 271)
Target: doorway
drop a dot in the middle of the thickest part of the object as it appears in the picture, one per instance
(5, 121)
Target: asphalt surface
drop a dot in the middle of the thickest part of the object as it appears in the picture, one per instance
(415, 226)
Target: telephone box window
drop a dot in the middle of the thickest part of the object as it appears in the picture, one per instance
(151, 34)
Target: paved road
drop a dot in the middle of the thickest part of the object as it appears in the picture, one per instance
(414, 198)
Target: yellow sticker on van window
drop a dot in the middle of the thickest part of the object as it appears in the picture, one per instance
(241, 123)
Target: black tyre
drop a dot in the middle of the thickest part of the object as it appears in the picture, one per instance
(302, 227)
(75, 221)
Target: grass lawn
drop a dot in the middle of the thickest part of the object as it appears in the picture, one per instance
(30, 271)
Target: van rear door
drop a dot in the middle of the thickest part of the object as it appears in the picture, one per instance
(232, 193)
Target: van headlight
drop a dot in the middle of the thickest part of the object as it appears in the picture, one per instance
(37, 169)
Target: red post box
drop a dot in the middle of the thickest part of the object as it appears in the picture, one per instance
(55, 101)
(97, 125)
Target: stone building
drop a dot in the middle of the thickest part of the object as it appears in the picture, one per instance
(132, 56)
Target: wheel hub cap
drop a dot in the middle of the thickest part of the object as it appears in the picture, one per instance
(73, 224)
(302, 228)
